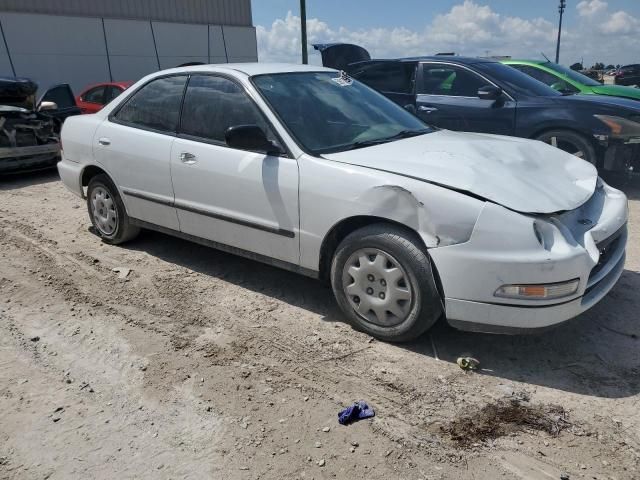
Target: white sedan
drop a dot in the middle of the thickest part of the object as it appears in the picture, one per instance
(306, 169)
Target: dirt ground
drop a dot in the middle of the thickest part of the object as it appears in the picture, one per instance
(200, 364)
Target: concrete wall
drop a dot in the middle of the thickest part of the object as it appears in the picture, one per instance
(82, 50)
(208, 12)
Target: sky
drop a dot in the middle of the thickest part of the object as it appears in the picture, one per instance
(605, 31)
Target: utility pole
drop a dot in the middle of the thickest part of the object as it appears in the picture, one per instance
(561, 7)
(303, 30)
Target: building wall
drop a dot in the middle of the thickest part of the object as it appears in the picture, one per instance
(81, 50)
(212, 12)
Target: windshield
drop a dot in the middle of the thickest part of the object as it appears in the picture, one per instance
(326, 112)
(515, 81)
(572, 74)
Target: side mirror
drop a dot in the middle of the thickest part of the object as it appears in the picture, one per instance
(47, 106)
(489, 93)
(250, 137)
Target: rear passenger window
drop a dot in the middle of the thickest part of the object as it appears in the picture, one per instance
(392, 77)
(213, 104)
(155, 106)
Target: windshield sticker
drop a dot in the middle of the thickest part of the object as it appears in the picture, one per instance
(343, 80)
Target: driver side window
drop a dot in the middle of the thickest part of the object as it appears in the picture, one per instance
(213, 104)
(450, 80)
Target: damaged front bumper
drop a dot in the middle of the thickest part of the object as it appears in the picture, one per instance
(587, 244)
(16, 159)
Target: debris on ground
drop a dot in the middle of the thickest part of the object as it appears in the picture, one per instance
(123, 272)
(468, 363)
(357, 411)
(506, 417)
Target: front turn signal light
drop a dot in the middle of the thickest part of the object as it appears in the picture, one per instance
(548, 291)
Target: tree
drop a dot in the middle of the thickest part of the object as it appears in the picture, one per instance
(609, 67)
(576, 66)
(598, 66)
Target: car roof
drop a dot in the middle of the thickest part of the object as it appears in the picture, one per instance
(251, 69)
(435, 58)
(124, 84)
(524, 61)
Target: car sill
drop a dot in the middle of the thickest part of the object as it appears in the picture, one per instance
(227, 248)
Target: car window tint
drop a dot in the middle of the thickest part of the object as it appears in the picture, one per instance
(439, 79)
(329, 113)
(213, 104)
(547, 78)
(156, 105)
(394, 77)
(111, 93)
(95, 95)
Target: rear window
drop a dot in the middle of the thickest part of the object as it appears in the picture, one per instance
(394, 77)
(630, 69)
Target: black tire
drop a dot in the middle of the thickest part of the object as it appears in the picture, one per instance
(122, 230)
(572, 143)
(401, 247)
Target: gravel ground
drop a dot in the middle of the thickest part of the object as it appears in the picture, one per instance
(200, 364)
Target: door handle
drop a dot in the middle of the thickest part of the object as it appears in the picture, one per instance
(188, 158)
(422, 108)
(104, 141)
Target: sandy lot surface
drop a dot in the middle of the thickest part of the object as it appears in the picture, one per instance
(200, 364)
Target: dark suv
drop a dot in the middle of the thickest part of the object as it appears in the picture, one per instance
(482, 95)
(628, 75)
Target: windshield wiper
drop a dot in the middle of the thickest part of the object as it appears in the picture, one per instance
(378, 141)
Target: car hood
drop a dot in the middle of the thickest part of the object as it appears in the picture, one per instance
(617, 91)
(522, 175)
(596, 103)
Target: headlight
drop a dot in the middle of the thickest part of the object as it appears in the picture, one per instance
(547, 291)
(621, 127)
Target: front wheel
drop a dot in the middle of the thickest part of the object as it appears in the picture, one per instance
(572, 143)
(107, 212)
(383, 281)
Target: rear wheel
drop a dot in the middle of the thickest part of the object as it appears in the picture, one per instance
(572, 143)
(107, 212)
(384, 283)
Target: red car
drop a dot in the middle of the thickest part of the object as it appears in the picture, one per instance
(94, 97)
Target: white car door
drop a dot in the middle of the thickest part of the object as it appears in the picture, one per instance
(134, 146)
(244, 199)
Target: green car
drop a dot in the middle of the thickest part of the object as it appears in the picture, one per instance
(569, 81)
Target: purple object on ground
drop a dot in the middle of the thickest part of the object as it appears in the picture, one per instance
(357, 411)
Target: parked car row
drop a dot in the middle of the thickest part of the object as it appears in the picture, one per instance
(309, 169)
(489, 96)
